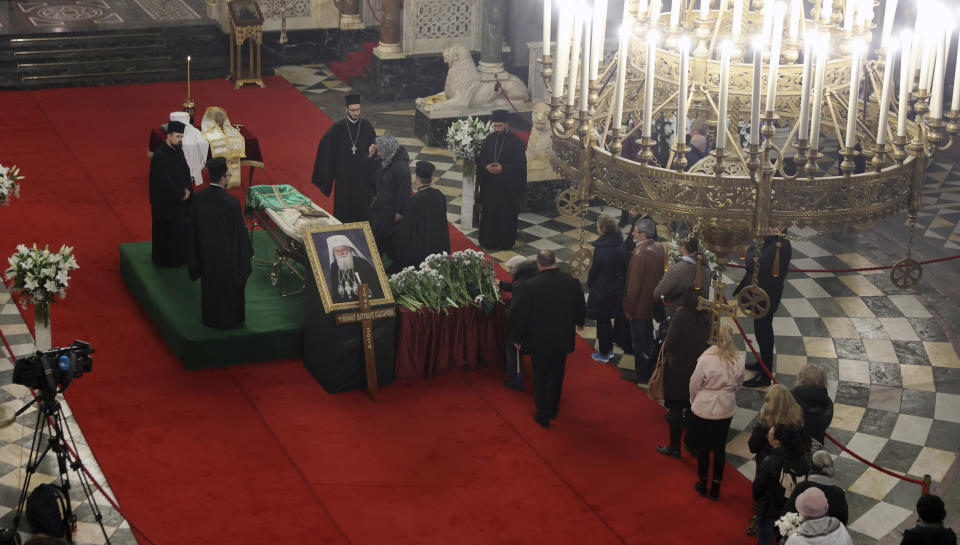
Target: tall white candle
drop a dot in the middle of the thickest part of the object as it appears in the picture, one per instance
(767, 21)
(925, 60)
(796, 15)
(823, 53)
(621, 76)
(889, 14)
(674, 13)
(599, 35)
(642, 6)
(804, 130)
(917, 46)
(955, 103)
(585, 67)
(564, 23)
(737, 17)
(704, 9)
(779, 11)
(755, 96)
(848, 11)
(575, 55)
(936, 97)
(725, 48)
(856, 57)
(684, 48)
(906, 82)
(652, 38)
(885, 93)
(654, 12)
(547, 17)
(860, 16)
(826, 12)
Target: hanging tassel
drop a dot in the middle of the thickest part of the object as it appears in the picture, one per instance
(666, 256)
(776, 262)
(696, 283)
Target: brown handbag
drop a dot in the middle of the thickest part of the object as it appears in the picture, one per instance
(655, 388)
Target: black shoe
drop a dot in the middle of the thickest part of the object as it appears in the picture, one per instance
(553, 414)
(759, 381)
(666, 418)
(753, 366)
(669, 451)
(513, 385)
(544, 423)
(715, 490)
(701, 487)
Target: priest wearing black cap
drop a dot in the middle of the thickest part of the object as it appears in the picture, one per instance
(344, 155)
(170, 187)
(221, 250)
(423, 229)
(502, 179)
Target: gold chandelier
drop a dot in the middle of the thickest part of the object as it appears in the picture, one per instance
(712, 60)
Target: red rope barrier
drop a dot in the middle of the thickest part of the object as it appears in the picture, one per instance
(861, 269)
(499, 87)
(923, 483)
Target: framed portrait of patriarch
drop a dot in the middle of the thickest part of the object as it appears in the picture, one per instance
(245, 12)
(342, 258)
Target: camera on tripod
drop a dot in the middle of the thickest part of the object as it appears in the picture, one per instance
(53, 370)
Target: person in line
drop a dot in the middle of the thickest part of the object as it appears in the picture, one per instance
(348, 269)
(775, 257)
(781, 469)
(686, 340)
(818, 526)
(713, 402)
(392, 177)
(643, 273)
(779, 408)
(811, 393)
(548, 313)
(423, 228)
(221, 250)
(344, 156)
(605, 282)
(930, 529)
(502, 181)
(170, 191)
(821, 476)
(522, 269)
(697, 142)
(682, 275)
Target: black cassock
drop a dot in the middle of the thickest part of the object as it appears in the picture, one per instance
(343, 285)
(220, 257)
(169, 176)
(343, 155)
(501, 194)
(423, 229)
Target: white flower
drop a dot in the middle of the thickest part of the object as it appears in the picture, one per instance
(31, 284)
(48, 272)
(22, 249)
(50, 285)
(63, 276)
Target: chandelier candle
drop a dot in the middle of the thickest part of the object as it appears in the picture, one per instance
(823, 52)
(906, 81)
(848, 15)
(684, 46)
(188, 78)
(955, 103)
(826, 12)
(704, 9)
(674, 14)
(648, 89)
(888, 16)
(654, 12)
(547, 17)
(725, 48)
(564, 23)
(856, 49)
(755, 100)
(936, 97)
(796, 16)
(891, 47)
(804, 129)
(599, 34)
(779, 11)
(621, 77)
(575, 56)
(585, 72)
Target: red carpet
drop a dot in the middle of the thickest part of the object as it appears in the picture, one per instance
(355, 64)
(260, 453)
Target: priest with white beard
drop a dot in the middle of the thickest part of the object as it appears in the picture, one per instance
(348, 269)
(195, 146)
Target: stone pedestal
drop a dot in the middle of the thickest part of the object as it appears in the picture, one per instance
(432, 128)
(391, 31)
(543, 187)
(401, 78)
(350, 15)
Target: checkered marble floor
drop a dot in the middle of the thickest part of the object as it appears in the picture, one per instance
(892, 370)
(15, 443)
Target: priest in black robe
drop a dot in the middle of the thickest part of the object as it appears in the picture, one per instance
(344, 155)
(349, 268)
(423, 229)
(221, 251)
(170, 191)
(502, 179)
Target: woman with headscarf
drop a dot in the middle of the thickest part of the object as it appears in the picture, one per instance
(821, 476)
(392, 180)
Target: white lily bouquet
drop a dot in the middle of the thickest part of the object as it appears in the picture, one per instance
(708, 256)
(40, 276)
(465, 138)
(788, 523)
(447, 281)
(9, 188)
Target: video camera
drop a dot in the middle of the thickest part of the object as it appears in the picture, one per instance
(55, 368)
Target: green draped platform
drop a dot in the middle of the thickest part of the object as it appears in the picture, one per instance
(274, 324)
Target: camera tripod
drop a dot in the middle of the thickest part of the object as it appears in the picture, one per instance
(48, 435)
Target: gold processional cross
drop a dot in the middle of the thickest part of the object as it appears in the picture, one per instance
(717, 309)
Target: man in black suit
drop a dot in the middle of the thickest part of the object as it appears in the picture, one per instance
(547, 313)
(776, 250)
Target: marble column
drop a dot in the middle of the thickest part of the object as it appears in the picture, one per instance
(492, 30)
(350, 15)
(391, 30)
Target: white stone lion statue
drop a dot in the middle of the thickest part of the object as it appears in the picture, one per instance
(540, 145)
(468, 88)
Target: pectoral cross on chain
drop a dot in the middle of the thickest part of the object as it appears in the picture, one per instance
(353, 148)
(717, 309)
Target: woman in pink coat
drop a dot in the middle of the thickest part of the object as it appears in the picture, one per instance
(713, 402)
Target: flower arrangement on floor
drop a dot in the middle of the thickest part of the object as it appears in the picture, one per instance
(9, 188)
(447, 281)
(40, 276)
(465, 138)
(788, 524)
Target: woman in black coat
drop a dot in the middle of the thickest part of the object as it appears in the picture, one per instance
(811, 393)
(605, 282)
(821, 476)
(686, 340)
(788, 459)
(392, 180)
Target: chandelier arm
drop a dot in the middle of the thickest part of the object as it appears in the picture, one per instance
(833, 115)
(731, 141)
(715, 35)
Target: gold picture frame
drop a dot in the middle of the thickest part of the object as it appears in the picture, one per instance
(334, 293)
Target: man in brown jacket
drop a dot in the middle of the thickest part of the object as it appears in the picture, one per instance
(682, 275)
(643, 274)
